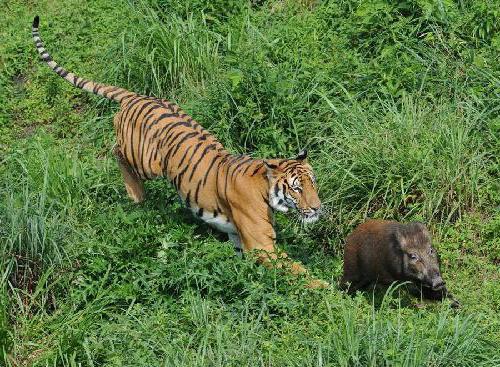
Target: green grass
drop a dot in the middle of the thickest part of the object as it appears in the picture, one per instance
(397, 103)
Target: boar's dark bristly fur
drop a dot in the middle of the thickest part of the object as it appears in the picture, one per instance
(383, 252)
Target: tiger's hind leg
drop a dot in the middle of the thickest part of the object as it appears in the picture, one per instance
(133, 183)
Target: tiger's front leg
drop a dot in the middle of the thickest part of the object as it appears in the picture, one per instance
(258, 236)
(235, 239)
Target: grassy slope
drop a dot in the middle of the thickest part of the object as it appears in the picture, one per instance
(99, 281)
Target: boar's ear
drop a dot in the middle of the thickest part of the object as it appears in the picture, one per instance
(420, 226)
(423, 229)
(401, 240)
(420, 231)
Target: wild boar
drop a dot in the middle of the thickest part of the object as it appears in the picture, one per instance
(383, 252)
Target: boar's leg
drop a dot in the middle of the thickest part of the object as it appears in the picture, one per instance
(438, 295)
(352, 285)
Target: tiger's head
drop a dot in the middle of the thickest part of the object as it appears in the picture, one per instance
(292, 185)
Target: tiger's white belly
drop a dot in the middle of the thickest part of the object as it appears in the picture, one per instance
(219, 222)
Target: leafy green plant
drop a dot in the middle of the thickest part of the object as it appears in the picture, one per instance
(397, 102)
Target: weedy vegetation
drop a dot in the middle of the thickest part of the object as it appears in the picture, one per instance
(398, 105)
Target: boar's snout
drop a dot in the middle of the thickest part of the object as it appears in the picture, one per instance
(437, 283)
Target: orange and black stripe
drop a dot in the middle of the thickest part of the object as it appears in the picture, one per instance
(107, 91)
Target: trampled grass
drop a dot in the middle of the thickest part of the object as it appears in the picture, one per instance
(397, 103)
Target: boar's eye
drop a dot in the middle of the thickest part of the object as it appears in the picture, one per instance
(413, 257)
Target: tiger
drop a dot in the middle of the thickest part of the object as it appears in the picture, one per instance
(236, 194)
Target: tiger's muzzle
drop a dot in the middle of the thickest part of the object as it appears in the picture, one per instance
(310, 215)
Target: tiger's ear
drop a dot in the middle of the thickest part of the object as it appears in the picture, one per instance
(272, 170)
(302, 156)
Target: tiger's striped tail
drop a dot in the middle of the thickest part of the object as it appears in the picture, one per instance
(108, 91)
